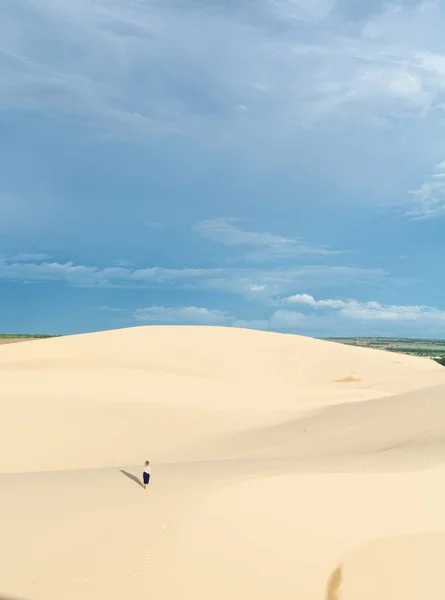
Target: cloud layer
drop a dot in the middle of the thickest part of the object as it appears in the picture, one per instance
(428, 201)
(371, 311)
(255, 283)
(282, 291)
(280, 320)
(265, 246)
(264, 162)
(332, 317)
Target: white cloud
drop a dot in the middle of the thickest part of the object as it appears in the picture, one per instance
(122, 263)
(257, 283)
(182, 315)
(261, 284)
(283, 320)
(372, 311)
(325, 317)
(91, 275)
(111, 309)
(298, 249)
(258, 288)
(308, 300)
(428, 201)
(280, 320)
(54, 271)
(224, 231)
(267, 246)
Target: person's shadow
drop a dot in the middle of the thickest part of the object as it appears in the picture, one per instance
(133, 478)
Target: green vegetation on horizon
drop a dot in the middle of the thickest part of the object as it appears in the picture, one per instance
(25, 336)
(427, 348)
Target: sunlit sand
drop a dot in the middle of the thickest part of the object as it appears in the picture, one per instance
(282, 466)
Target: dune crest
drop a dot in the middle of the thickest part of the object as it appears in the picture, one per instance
(282, 465)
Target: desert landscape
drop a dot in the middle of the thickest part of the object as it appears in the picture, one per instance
(281, 466)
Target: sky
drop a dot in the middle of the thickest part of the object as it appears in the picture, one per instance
(271, 164)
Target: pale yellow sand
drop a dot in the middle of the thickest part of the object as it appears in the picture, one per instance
(282, 467)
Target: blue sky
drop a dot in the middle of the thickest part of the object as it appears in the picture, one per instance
(276, 164)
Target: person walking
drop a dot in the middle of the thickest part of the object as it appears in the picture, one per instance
(147, 473)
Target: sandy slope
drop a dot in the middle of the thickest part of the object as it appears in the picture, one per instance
(282, 466)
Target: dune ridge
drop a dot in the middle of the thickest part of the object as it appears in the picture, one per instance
(282, 465)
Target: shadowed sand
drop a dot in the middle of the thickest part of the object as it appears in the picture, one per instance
(133, 478)
(282, 466)
(333, 589)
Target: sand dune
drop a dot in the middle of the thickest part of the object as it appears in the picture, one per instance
(282, 465)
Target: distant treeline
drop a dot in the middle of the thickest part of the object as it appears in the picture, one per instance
(417, 351)
(389, 340)
(36, 336)
(441, 361)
